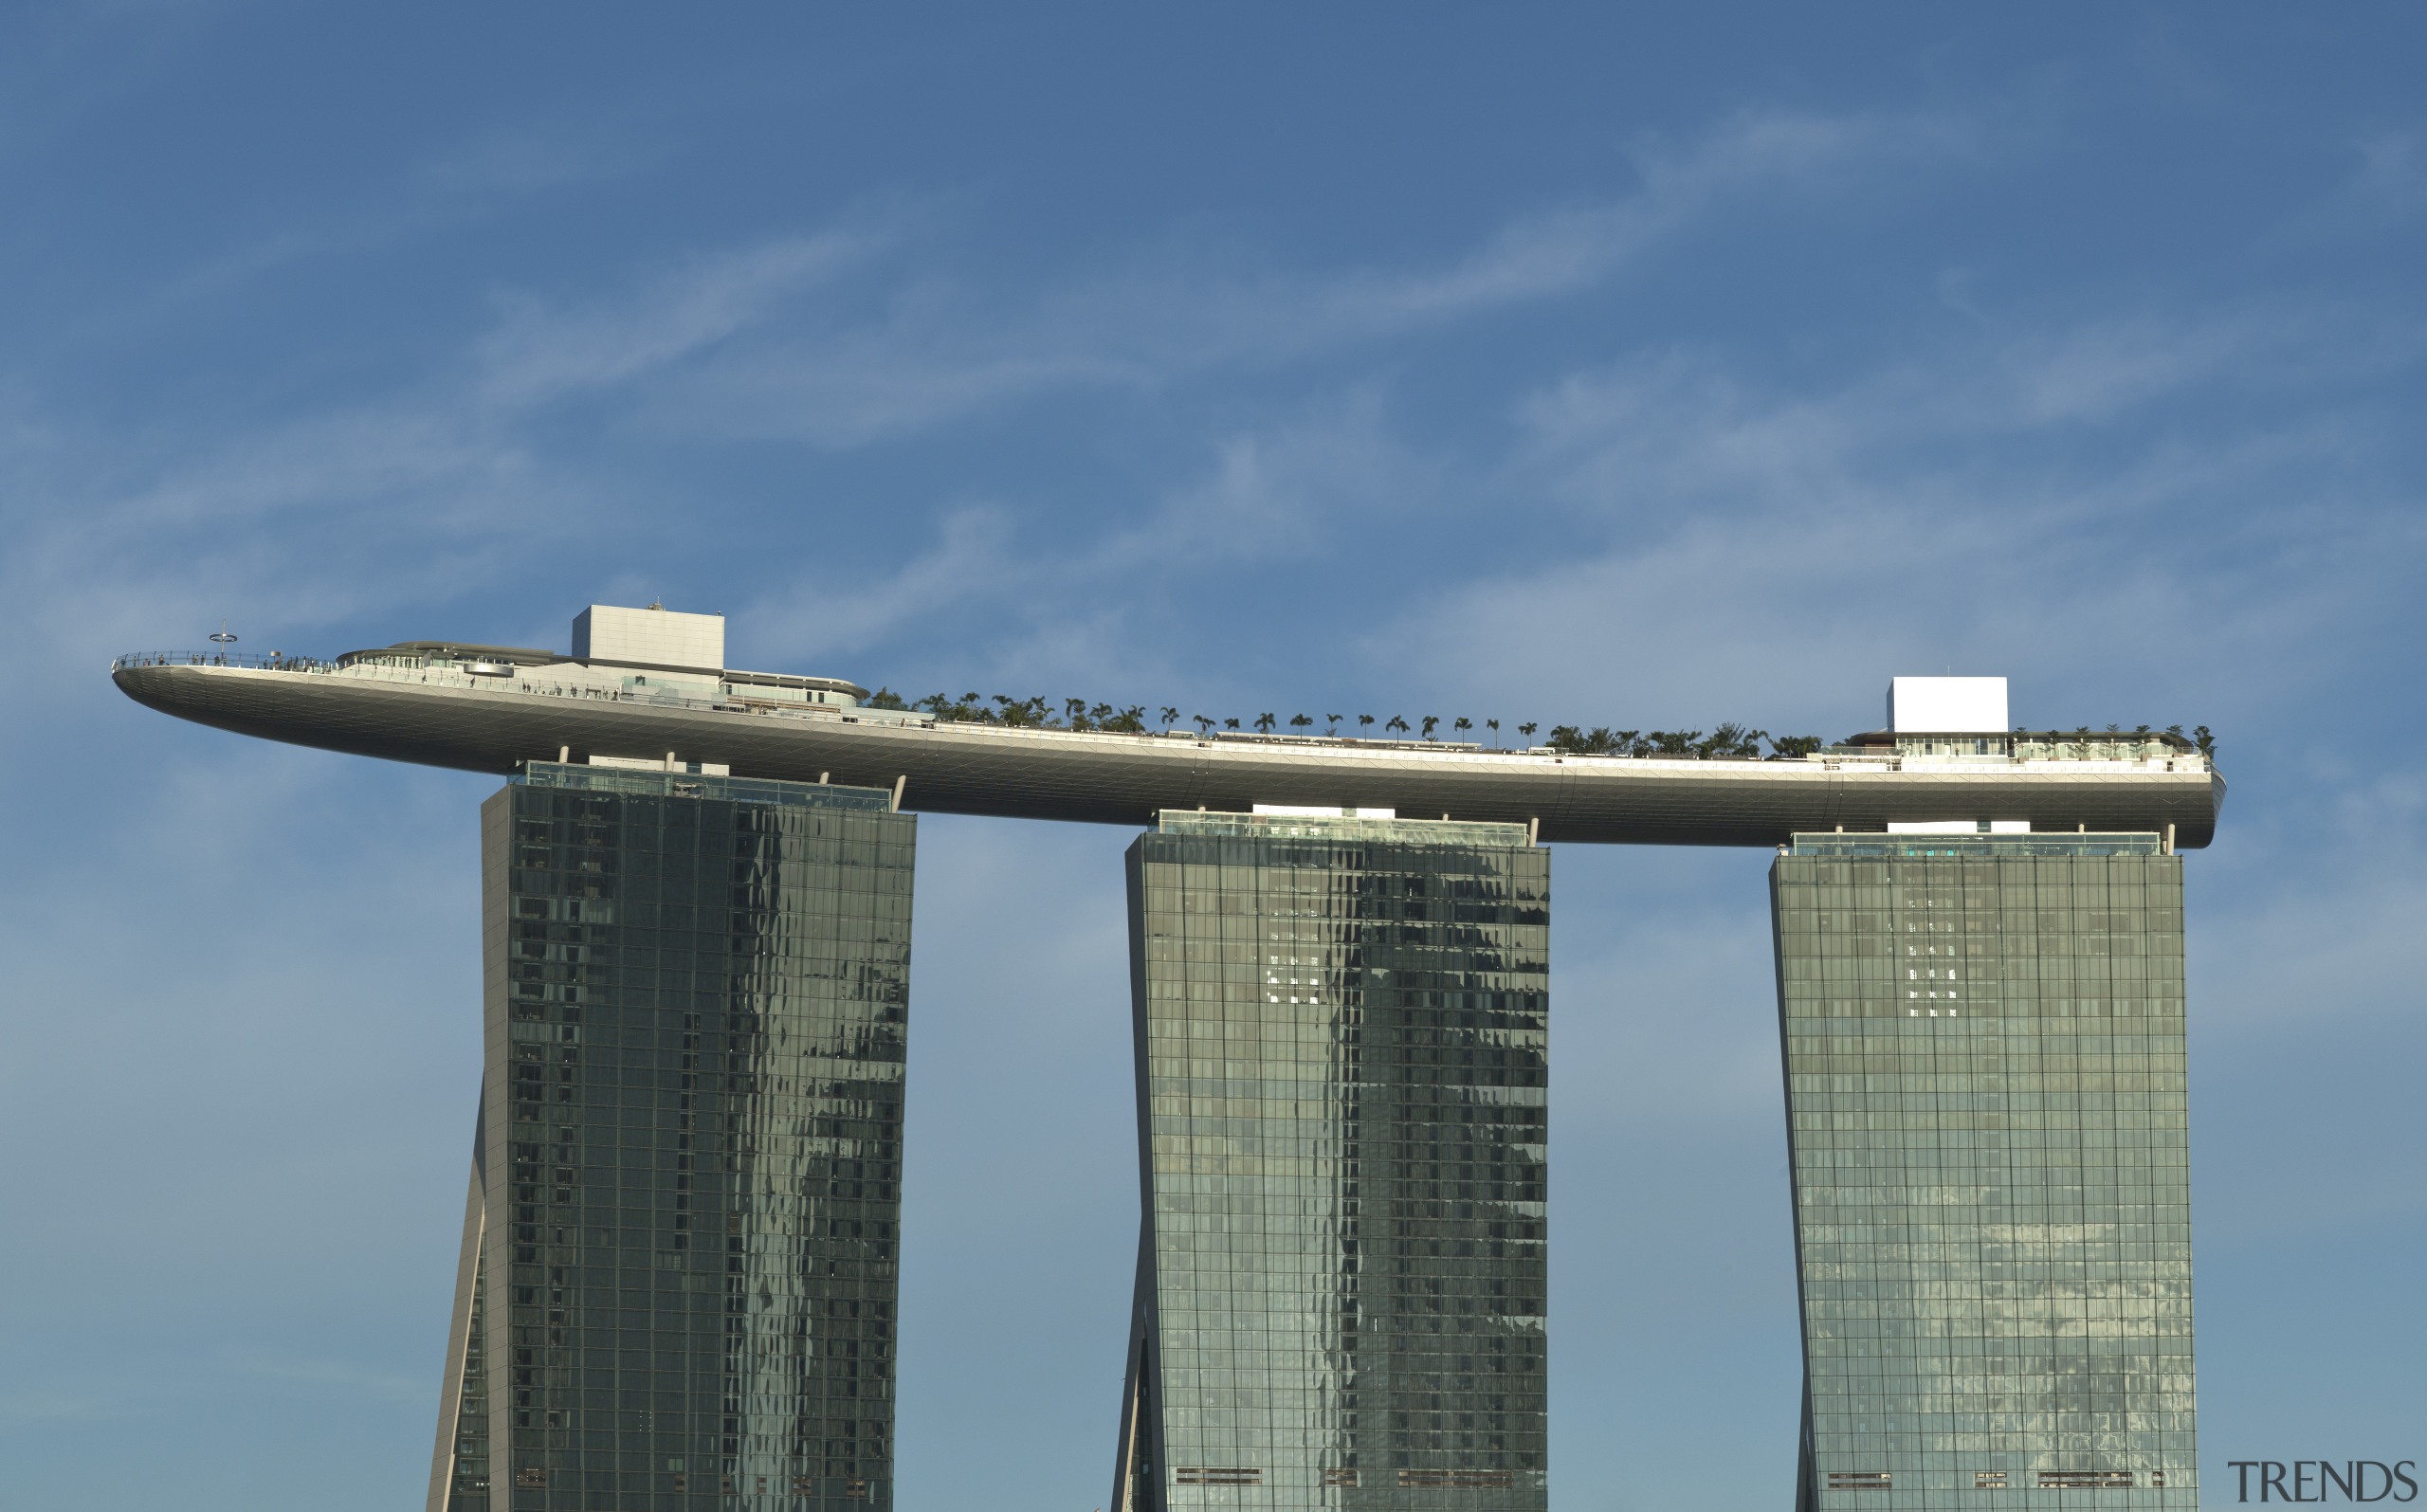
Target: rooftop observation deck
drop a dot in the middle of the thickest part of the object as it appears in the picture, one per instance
(1971, 847)
(491, 709)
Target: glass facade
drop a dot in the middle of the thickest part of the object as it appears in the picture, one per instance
(1340, 1030)
(1985, 1104)
(680, 1269)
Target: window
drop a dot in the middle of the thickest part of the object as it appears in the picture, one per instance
(1859, 1480)
(2085, 1480)
(1462, 1479)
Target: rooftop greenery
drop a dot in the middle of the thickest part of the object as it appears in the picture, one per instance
(1734, 741)
(1079, 714)
(2200, 739)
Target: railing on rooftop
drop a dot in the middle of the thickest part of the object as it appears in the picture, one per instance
(270, 663)
(2041, 746)
(1338, 827)
(641, 783)
(1974, 847)
(2030, 745)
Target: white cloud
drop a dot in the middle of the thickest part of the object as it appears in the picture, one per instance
(1753, 155)
(821, 612)
(833, 338)
(538, 353)
(500, 164)
(2030, 506)
(877, 361)
(2385, 188)
(124, 546)
(1282, 490)
(1025, 609)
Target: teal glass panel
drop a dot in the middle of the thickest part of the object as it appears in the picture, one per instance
(1340, 1027)
(1985, 1059)
(697, 1007)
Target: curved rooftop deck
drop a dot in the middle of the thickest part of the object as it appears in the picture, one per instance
(479, 712)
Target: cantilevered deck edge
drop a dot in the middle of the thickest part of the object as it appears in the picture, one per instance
(1102, 778)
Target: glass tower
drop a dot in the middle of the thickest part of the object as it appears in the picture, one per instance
(1340, 1027)
(1986, 1108)
(678, 1269)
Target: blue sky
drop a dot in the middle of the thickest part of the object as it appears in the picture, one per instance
(1552, 364)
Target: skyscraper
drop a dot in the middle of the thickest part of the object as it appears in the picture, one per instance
(1340, 1026)
(696, 999)
(680, 1267)
(1984, 1062)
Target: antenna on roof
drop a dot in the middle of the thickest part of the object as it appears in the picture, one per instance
(656, 604)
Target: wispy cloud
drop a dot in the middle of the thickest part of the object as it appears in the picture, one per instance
(837, 337)
(1748, 160)
(882, 359)
(1303, 486)
(481, 177)
(1994, 494)
(540, 353)
(818, 615)
(2393, 173)
(303, 523)
(1020, 604)
(2382, 189)
(498, 164)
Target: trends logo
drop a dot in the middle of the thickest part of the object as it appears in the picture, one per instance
(2358, 1480)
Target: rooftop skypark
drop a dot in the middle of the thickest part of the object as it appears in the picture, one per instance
(650, 687)
(697, 935)
(525, 671)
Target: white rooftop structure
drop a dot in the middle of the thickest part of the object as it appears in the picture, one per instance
(651, 637)
(1946, 706)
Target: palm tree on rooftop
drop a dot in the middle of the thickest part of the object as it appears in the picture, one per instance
(1204, 723)
(1299, 721)
(1169, 715)
(1364, 722)
(1264, 722)
(1394, 722)
(1462, 724)
(1430, 721)
(1332, 723)
(1493, 725)
(1527, 730)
